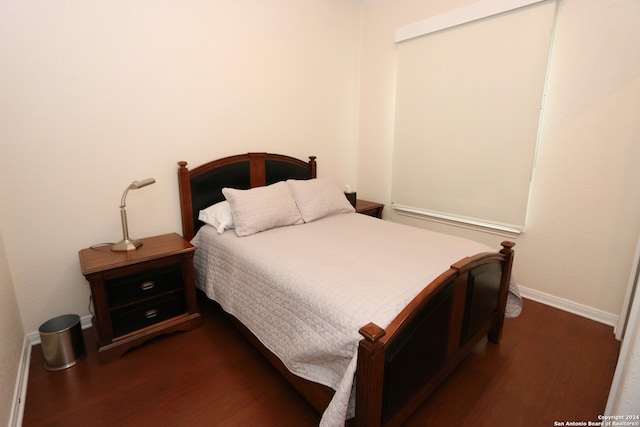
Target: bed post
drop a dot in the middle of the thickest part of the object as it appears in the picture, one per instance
(496, 330)
(312, 167)
(370, 377)
(184, 184)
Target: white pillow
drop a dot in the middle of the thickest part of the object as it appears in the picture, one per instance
(218, 215)
(317, 198)
(262, 208)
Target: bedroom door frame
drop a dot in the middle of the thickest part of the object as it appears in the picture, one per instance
(627, 327)
(625, 315)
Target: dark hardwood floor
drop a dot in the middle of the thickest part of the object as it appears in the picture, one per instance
(550, 366)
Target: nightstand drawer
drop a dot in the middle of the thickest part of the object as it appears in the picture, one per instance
(139, 316)
(148, 284)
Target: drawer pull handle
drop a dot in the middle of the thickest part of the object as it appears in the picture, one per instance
(150, 314)
(147, 286)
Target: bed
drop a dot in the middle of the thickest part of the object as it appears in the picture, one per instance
(344, 305)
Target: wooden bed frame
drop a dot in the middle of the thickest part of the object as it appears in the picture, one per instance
(397, 367)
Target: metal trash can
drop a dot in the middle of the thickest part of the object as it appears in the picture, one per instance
(62, 342)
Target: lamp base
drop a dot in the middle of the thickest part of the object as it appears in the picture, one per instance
(126, 245)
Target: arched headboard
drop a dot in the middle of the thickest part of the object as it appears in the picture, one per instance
(202, 186)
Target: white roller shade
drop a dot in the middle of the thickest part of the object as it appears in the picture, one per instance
(467, 112)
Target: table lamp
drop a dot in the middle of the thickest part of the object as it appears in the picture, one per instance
(127, 244)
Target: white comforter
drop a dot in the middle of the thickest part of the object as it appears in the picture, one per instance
(306, 290)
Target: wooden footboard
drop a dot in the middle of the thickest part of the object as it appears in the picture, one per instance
(400, 366)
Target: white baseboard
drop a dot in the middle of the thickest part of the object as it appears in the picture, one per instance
(20, 392)
(570, 306)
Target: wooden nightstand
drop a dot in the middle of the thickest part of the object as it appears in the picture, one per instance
(369, 208)
(138, 295)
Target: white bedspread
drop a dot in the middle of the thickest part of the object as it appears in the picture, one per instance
(306, 290)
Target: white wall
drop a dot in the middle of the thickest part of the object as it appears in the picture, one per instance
(11, 337)
(96, 94)
(584, 208)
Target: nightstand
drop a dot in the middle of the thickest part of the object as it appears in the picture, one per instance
(369, 208)
(140, 294)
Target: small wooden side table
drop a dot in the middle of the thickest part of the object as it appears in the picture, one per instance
(369, 208)
(140, 294)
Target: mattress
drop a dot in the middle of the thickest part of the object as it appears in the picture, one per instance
(305, 290)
